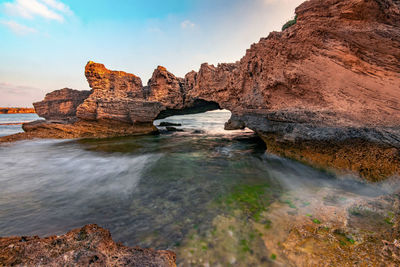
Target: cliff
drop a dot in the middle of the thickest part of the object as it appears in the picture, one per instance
(325, 91)
(89, 245)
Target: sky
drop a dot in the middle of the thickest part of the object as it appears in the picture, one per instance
(45, 44)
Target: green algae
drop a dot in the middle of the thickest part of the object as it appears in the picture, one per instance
(389, 218)
(316, 221)
(252, 200)
(290, 204)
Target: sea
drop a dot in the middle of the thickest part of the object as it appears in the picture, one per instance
(12, 123)
(208, 194)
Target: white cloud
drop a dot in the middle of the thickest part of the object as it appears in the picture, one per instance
(58, 6)
(49, 9)
(18, 28)
(14, 95)
(187, 24)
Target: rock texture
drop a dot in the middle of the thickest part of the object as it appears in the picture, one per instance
(89, 245)
(60, 104)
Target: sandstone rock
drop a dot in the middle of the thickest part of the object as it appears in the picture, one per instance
(61, 104)
(114, 96)
(80, 129)
(120, 96)
(173, 93)
(341, 67)
(89, 245)
(166, 89)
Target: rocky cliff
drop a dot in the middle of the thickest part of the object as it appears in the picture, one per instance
(325, 90)
(89, 245)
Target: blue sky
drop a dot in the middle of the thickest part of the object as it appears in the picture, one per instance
(45, 44)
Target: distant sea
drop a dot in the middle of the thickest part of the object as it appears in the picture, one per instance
(7, 119)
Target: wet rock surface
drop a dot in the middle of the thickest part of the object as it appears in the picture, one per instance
(173, 129)
(89, 245)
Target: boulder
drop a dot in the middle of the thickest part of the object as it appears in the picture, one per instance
(61, 104)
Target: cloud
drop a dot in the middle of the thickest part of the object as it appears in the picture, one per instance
(48, 9)
(13, 95)
(58, 6)
(187, 24)
(18, 28)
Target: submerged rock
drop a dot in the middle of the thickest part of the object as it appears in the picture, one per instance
(166, 123)
(173, 129)
(89, 245)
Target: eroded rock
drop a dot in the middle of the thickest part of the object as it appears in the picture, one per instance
(89, 245)
(61, 104)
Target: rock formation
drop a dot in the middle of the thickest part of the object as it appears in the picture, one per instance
(117, 105)
(89, 245)
(326, 90)
(61, 104)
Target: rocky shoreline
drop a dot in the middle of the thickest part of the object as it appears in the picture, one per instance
(325, 91)
(311, 88)
(89, 245)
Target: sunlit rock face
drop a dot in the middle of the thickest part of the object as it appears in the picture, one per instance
(120, 96)
(60, 104)
(89, 245)
(114, 95)
(167, 89)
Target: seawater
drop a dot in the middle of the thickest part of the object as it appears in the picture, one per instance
(14, 118)
(167, 191)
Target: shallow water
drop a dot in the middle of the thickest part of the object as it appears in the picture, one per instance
(14, 118)
(169, 191)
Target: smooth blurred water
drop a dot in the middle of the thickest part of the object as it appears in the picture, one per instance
(14, 118)
(150, 191)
